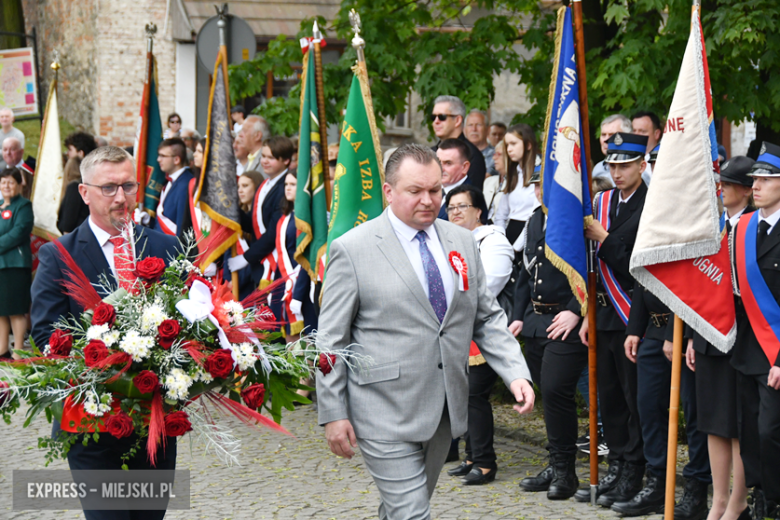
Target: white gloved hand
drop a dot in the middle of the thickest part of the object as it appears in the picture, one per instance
(141, 217)
(295, 306)
(237, 263)
(211, 270)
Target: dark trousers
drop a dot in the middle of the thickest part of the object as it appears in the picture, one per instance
(556, 367)
(758, 420)
(617, 397)
(654, 376)
(106, 454)
(479, 438)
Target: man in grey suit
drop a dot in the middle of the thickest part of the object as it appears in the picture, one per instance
(392, 294)
(253, 132)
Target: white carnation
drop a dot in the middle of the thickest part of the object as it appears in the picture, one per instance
(111, 337)
(95, 331)
(152, 316)
(244, 355)
(136, 345)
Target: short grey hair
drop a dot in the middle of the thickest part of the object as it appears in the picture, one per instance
(625, 123)
(482, 113)
(104, 154)
(6, 109)
(257, 124)
(195, 134)
(416, 152)
(11, 140)
(456, 105)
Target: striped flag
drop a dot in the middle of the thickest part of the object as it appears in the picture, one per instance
(680, 254)
(565, 190)
(148, 138)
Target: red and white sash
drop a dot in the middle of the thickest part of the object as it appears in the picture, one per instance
(619, 298)
(269, 262)
(287, 270)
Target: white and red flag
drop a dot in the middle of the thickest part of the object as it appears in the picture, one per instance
(681, 251)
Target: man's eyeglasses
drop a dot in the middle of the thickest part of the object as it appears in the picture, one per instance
(109, 190)
(460, 207)
(174, 122)
(441, 117)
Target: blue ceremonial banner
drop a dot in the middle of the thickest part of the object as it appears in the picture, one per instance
(565, 190)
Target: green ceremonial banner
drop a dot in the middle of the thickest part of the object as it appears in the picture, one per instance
(153, 136)
(311, 214)
(359, 175)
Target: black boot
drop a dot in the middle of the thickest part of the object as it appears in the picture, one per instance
(650, 500)
(693, 504)
(606, 483)
(630, 484)
(757, 504)
(540, 482)
(564, 482)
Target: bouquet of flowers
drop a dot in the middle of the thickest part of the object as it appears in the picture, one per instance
(159, 360)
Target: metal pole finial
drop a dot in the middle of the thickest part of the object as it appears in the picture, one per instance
(316, 31)
(222, 23)
(357, 42)
(151, 29)
(55, 63)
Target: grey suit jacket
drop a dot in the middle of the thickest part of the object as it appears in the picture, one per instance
(374, 304)
(255, 166)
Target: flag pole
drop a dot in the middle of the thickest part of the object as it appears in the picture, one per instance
(579, 40)
(150, 30)
(321, 106)
(674, 398)
(222, 25)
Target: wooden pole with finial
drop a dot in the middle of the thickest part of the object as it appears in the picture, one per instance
(320, 87)
(150, 29)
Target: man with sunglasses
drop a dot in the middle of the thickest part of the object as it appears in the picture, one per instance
(448, 117)
(103, 253)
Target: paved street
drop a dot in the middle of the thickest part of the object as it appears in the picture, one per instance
(286, 478)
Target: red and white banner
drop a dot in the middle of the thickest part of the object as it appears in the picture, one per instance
(681, 252)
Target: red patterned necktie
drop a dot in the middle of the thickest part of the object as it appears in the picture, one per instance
(123, 263)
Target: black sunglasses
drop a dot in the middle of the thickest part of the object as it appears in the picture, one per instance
(441, 117)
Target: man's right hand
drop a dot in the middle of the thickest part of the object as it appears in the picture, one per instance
(341, 438)
(141, 217)
(631, 345)
(516, 327)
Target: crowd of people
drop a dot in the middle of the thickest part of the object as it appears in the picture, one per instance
(489, 186)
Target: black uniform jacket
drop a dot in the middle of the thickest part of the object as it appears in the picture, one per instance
(540, 281)
(640, 321)
(747, 355)
(616, 252)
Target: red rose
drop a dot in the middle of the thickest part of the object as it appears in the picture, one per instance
(60, 343)
(219, 364)
(150, 268)
(253, 396)
(95, 352)
(177, 424)
(146, 381)
(326, 363)
(5, 394)
(167, 332)
(104, 314)
(120, 425)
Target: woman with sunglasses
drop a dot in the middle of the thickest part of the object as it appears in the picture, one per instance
(519, 201)
(174, 126)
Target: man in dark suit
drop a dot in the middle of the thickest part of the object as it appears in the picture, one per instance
(614, 228)
(174, 215)
(108, 188)
(755, 351)
(455, 157)
(449, 116)
(266, 211)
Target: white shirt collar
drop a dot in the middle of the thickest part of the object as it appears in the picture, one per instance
(453, 186)
(772, 219)
(734, 218)
(403, 229)
(100, 233)
(621, 199)
(271, 182)
(175, 175)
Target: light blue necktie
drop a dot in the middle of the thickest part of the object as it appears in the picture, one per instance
(436, 294)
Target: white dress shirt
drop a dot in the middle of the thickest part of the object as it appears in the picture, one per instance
(164, 193)
(772, 219)
(733, 219)
(493, 192)
(451, 187)
(411, 247)
(518, 205)
(265, 189)
(105, 245)
(496, 254)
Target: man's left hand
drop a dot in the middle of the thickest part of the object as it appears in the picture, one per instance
(563, 323)
(237, 263)
(524, 394)
(774, 378)
(596, 232)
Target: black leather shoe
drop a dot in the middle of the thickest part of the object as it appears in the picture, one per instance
(693, 504)
(629, 484)
(477, 478)
(564, 482)
(606, 483)
(650, 500)
(540, 482)
(745, 514)
(461, 470)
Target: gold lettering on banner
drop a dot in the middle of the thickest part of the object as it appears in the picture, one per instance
(366, 179)
(348, 131)
(361, 218)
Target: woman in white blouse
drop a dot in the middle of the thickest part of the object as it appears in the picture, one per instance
(494, 185)
(519, 201)
(466, 208)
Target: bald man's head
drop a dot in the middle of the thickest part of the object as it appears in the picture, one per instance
(12, 151)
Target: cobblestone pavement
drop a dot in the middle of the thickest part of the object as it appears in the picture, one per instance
(298, 478)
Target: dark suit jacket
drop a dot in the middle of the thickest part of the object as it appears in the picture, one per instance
(616, 252)
(50, 302)
(443, 210)
(747, 355)
(554, 286)
(73, 212)
(177, 204)
(271, 212)
(477, 169)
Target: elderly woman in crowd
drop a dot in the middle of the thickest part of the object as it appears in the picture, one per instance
(16, 223)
